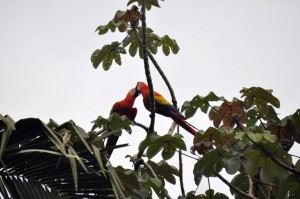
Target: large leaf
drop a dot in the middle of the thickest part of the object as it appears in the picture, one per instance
(34, 165)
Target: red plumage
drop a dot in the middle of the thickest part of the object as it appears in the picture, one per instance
(123, 107)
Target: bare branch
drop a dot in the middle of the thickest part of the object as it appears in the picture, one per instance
(181, 173)
(269, 154)
(234, 187)
(147, 68)
(141, 125)
(275, 160)
(250, 185)
(162, 74)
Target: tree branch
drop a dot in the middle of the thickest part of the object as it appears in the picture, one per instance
(149, 168)
(141, 125)
(181, 173)
(162, 74)
(269, 154)
(250, 190)
(234, 187)
(147, 68)
(152, 173)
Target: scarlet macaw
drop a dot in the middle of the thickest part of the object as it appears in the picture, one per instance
(163, 107)
(123, 107)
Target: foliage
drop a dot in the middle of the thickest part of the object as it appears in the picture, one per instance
(247, 140)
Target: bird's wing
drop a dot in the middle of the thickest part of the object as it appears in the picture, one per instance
(161, 100)
(115, 108)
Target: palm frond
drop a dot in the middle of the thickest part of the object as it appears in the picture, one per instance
(36, 163)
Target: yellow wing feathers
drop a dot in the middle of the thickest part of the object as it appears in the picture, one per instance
(161, 100)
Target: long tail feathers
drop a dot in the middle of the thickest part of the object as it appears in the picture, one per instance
(110, 144)
(184, 124)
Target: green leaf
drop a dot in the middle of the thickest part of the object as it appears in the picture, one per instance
(290, 188)
(82, 136)
(117, 59)
(166, 49)
(117, 122)
(8, 125)
(99, 159)
(211, 96)
(153, 48)
(177, 142)
(198, 173)
(256, 137)
(168, 152)
(156, 182)
(210, 164)
(128, 39)
(174, 46)
(131, 1)
(141, 53)
(167, 143)
(133, 48)
(155, 147)
(232, 164)
(270, 138)
(254, 160)
(259, 97)
(188, 110)
(240, 181)
(102, 29)
(107, 62)
(164, 170)
(146, 142)
(74, 172)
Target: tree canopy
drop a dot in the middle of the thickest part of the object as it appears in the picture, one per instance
(247, 137)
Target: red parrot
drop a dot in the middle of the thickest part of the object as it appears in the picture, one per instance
(123, 107)
(163, 107)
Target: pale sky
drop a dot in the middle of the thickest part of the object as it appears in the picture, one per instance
(225, 45)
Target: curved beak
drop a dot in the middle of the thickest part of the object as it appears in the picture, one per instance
(137, 90)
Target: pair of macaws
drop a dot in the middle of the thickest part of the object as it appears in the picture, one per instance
(162, 106)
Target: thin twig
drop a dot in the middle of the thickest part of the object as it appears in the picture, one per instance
(180, 169)
(263, 192)
(208, 182)
(234, 187)
(153, 174)
(268, 153)
(141, 125)
(275, 160)
(294, 155)
(261, 122)
(149, 168)
(250, 191)
(162, 74)
(172, 128)
(181, 173)
(147, 68)
(189, 156)
(265, 184)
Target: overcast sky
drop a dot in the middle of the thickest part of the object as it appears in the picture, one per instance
(225, 45)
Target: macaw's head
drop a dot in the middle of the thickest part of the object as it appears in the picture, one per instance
(133, 92)
(141, 87)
